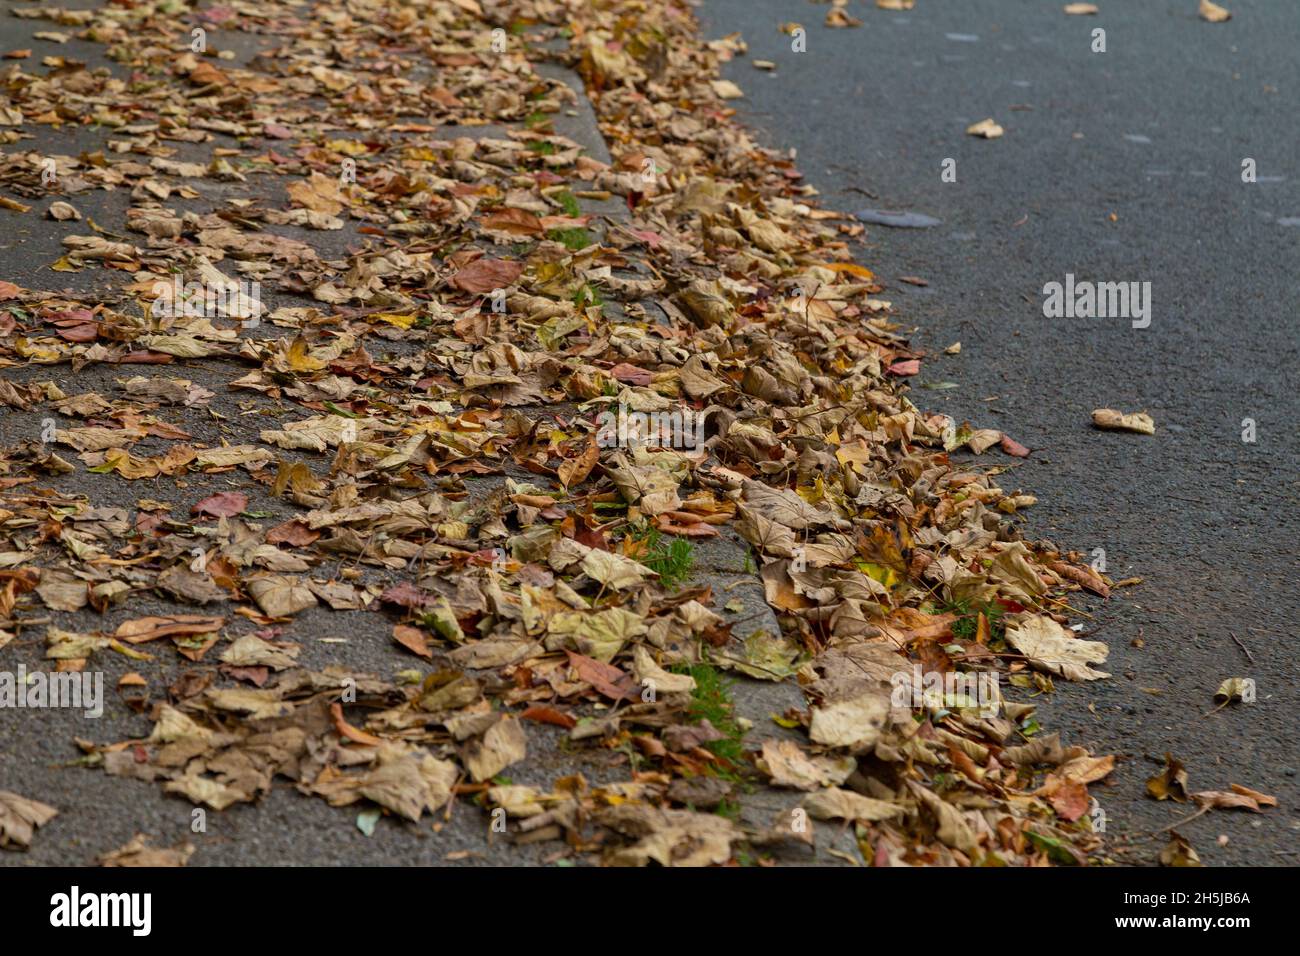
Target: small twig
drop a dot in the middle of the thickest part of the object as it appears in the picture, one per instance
(1191, 501)
(446, 816)
(528, 824)
(1079, 611)
(1245, 649)
(1178, 823)
(1211, 713)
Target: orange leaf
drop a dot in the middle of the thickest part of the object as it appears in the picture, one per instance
(413, 639)
(347, 730)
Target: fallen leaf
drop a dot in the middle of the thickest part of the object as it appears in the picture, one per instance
(486, 275)
(505, 743)
(1170, 784)
(224, 504)
(351, 733)
(280, 596)
(20, 818)
(1051, 648)
(1179, 852)
(985, 128)
(413, 639)
(138, 853)
(1213, 13)
(833, 803)
(1112, 420)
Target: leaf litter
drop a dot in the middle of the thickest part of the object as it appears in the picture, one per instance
(501, 288)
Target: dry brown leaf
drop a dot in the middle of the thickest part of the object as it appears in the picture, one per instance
(1213, 13)
(20, 818)
(1111, 420)
(985, 129)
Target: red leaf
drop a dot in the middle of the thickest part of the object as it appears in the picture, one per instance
(224, 504)
(486, 275)
(77, 325)
(1013, 447)
(257, 676)
(606, 678)
(649, 237)
(908, 367)
(292, 532)
(79, 333)
(631, 374)
(405, 594)
(549, 715)
(1070, 801)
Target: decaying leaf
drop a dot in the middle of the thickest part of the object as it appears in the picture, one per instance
(1111, 420)
(20, 818)
(1049, 647)
(1179, 852)
(670, 837)
(281, 596)
(1213, 13)
(833, 803)
(789, 766)
(505, 743)
(1172, 783)
(138, 852)
(985, 129)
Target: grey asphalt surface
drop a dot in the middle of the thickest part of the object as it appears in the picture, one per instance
(1116, 166)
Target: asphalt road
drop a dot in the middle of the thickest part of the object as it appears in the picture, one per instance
(1117, 166)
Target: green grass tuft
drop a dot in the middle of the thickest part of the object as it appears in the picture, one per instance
(587, 294)
(670, 559)
(712, 701)
(572, 239)
(967, 623)
(569, 203)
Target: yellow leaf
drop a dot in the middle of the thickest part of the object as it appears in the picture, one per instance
(876, 572)
(348, 147)
(852, 268)
(299, 360)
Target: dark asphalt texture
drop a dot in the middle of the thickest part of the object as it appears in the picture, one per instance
(1116, 166)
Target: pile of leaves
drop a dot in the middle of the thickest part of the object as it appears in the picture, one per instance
(412, 431)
